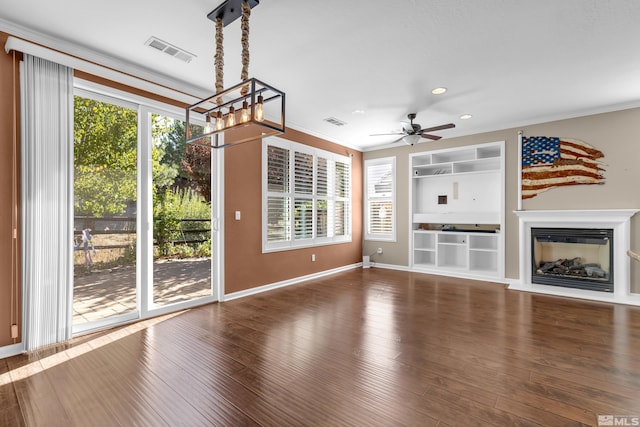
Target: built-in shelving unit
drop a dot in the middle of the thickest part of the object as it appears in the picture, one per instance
(457, 205)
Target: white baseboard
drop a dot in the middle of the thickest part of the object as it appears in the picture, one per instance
(390, 266)
(442, 273)
(287, 282)
(11, 350)
(632, 299)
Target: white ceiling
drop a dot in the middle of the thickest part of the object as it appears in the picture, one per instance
(507, 62)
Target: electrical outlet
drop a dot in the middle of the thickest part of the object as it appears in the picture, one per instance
(14, 331)
(379, 251)
(313, 257)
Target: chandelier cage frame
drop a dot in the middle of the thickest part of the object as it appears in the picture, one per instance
(259, 96)
(247, 111)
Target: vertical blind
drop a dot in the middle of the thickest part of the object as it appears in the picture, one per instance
(47, 199)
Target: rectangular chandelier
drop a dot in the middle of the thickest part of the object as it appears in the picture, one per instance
(247, 111)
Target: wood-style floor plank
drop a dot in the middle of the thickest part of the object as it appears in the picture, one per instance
(361, 348)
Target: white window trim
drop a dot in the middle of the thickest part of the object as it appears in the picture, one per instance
(331, 158)
(386, 237)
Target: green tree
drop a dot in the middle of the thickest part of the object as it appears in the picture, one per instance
(105, 157)
(193, 162)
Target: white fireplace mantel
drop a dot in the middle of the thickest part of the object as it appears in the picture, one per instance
(617, 219)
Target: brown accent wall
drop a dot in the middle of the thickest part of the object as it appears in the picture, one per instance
(246, 266)
(9, 264)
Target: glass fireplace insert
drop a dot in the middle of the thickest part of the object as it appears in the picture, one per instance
(579, 258)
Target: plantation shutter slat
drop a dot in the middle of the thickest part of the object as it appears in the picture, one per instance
(341, 188)
(322, 181)
(303, 173)
(379, 193)
(277, 169)
(303, 219)
(322, 190)
(278, 223)
(379, 209)
(342, 179)
(278, 218)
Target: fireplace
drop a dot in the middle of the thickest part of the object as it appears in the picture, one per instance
(580, 258)
(610, 253)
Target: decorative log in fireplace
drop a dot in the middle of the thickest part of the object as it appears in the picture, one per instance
(579, 258)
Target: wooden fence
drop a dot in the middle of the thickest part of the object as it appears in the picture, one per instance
(126, 226)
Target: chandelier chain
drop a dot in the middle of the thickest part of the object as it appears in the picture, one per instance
(246, 13)
(219, 58)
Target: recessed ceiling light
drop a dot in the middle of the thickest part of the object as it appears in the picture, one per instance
(439, 90)
(357, 112)
(465, 116)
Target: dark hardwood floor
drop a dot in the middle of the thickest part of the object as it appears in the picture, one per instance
(364, 348)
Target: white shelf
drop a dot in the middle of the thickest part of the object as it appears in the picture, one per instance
(457, 161)
(482, 250)
(458, 186)
(457, 217)
(481, 165)
(483, 243)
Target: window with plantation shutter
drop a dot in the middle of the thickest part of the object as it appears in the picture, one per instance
(342, 185)
(306, 196)
(322, 199)
(380, 199)
(277, 204)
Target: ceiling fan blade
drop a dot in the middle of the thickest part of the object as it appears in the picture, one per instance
(433, 137)
(387, 134)
(398, 140)
(441, 127)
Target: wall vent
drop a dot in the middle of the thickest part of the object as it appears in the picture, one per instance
(170, 49)
(335, 121)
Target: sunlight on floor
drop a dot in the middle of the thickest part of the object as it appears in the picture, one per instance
(40, 365)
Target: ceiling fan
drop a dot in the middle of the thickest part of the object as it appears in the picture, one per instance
(413, 132)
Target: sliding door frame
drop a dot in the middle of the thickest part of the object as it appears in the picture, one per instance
(144, 220)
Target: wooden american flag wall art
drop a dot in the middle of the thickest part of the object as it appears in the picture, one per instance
(549, 162)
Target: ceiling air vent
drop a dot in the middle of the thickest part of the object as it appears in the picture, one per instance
(170, 49)
(335, 121)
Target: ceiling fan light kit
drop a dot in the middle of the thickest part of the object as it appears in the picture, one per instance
(411, 139)
(247, 111)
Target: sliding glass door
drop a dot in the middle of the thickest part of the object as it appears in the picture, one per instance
(145, 233)
(182, 215)
(105, 213)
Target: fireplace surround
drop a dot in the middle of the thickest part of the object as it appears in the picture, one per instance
(605, 254)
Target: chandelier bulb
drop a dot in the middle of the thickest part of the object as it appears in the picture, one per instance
(231, 117)
(207, 126)
(260, 109)
(244, 116)
(219, 122)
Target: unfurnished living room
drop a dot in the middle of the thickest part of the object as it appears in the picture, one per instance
(292, 213)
